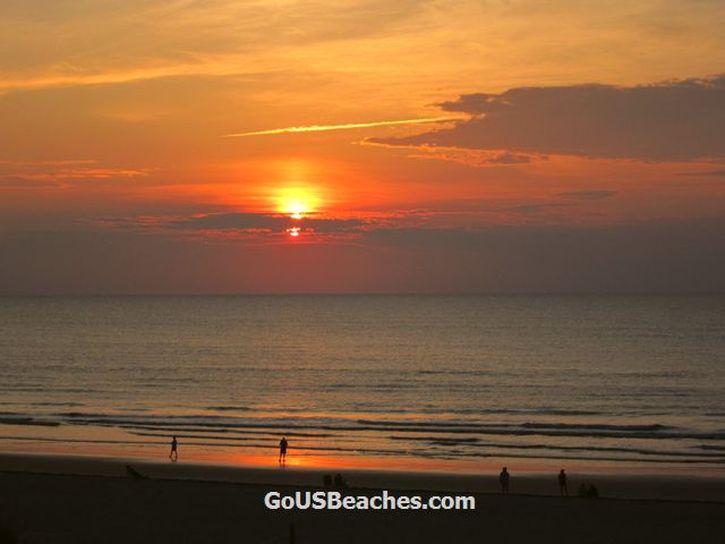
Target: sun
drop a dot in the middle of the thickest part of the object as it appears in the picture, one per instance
(297, 202)
(296, 209)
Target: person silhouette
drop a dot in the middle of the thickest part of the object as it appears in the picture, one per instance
(563, 490)
(340, 481)
(174, 453)
(282, 450)
(504, 479)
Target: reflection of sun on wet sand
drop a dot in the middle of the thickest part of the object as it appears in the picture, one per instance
(72, 499)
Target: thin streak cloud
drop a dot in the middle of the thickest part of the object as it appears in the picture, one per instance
(219, 66)
(347, 126)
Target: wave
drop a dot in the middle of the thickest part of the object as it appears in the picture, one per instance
(596, 426)
(711, 447)
(271, 445)
(487, 445)
(437, 410)
(14, 420)
(222, 423)
(59, 404)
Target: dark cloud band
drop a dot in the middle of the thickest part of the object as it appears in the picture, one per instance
(675, 120)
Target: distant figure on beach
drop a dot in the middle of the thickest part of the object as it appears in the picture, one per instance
(340, 481)
(504, 479)
(282, 450)
(589, 491)
(174, 453)
(563, 490)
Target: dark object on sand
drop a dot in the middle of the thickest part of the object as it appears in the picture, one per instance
(339, 482)
(133, 473)
(588, 491)
(327, 480)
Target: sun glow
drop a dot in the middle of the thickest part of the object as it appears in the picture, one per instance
(297, 202)
(296, 209)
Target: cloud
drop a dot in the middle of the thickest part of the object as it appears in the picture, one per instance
(347, 126)
(596, 194)
(534, 208)
(78, 79)
(662, 256)
(19, 182)
(677, 120)
(476, 158)
(226, 224)
(706, 173)
(55, 173)
(117, 42)
(657, 256)
(261, 221)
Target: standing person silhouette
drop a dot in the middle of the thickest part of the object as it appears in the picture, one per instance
(504, 479)
(563, 490)
(174, 453)
(282, 450)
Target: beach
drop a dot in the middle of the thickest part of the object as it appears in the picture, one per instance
(431, 401)
(63, 499)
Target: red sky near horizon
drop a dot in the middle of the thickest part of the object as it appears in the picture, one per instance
(187, 147)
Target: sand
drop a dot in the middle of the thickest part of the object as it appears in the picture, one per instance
(60, 499)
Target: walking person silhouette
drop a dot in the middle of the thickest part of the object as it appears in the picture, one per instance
(174, 453)
(563, 490)
(504, 479)
(282, 450)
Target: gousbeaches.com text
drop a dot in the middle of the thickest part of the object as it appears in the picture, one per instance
(335, 500)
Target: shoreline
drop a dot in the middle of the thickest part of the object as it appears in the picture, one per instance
(626, 486)
(113, 444)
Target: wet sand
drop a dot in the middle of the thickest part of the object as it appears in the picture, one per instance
(58, 499)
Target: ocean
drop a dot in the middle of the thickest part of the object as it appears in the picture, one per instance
(455, 383)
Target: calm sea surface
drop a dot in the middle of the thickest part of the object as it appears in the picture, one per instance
(464, 382)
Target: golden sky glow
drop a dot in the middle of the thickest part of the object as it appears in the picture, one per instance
(297, 202)
(395, 137)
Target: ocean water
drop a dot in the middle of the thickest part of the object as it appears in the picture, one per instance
(453, 382)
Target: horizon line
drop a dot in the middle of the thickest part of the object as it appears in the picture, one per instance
(372, 293)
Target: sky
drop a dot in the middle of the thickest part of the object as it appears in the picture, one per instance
(368, 146)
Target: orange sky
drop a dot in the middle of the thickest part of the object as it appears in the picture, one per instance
(435, 146)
